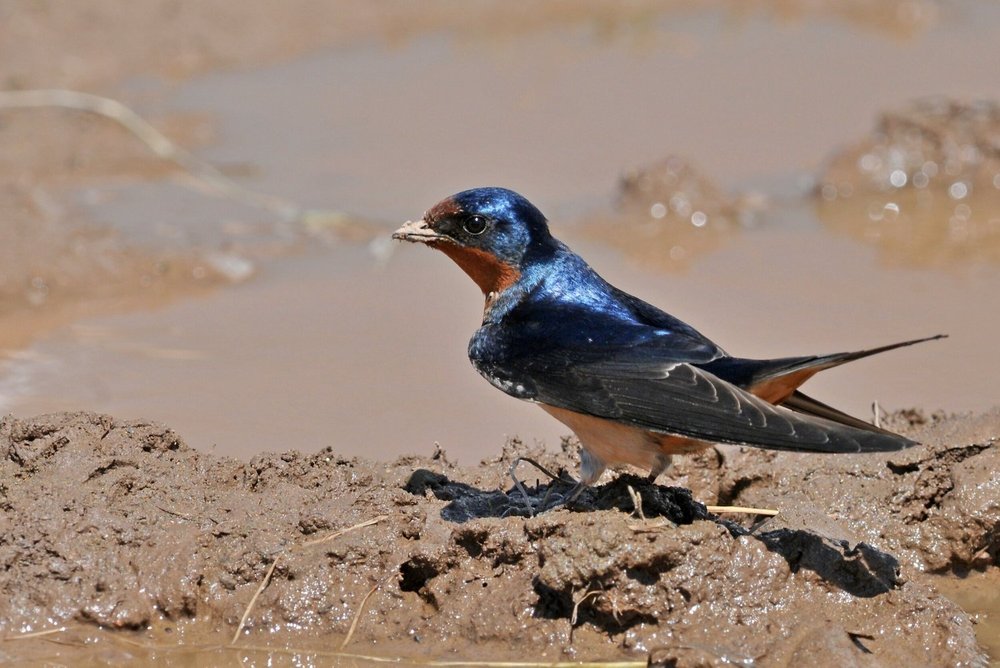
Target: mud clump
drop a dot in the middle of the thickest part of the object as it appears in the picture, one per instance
(935, 507)
(120, 524)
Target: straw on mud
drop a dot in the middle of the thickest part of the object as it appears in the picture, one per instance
(174, 513)
(341, 532)
(982, 553)
(770, 512)
(34, 634)
(361, 607)
(576, 605)
(270, 570)
(263, 584)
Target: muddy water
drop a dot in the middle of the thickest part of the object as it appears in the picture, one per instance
(333, 347)
(979, 595)
(189, 643)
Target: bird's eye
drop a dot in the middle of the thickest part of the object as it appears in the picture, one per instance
(475, 225)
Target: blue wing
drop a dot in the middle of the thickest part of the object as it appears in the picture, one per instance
(627, 361)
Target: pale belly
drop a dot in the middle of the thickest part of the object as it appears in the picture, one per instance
(610, 442)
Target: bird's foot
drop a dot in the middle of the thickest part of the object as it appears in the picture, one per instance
(545, 503)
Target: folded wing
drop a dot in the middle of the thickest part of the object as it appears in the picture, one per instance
(679, 398)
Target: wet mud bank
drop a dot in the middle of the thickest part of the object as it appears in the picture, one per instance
(122, 525)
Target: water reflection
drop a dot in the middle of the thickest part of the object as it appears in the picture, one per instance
(668, 213)
(920, 229)
(924, 187)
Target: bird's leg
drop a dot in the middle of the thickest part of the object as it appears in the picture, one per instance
(519, 486)
(576, 491)
(591, 468)
(662, 464)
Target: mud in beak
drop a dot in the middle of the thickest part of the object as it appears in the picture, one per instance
(416, 231)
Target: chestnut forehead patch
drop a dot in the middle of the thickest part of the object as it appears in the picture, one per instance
(443, 209)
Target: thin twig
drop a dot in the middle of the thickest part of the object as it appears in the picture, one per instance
(361, 607)
(34, 634)
(576, 605)
(651, 526)
(174, 513)
(742, 509)
(341, 532)
(545, 499)
(263, 584)
(270, 570)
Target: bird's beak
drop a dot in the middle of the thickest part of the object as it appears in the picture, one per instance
(416, 230)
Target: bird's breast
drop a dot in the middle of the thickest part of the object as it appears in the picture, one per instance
(488, 354)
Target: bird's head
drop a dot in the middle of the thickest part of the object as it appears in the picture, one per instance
(488, 232)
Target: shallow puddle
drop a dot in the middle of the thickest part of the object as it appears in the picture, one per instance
(194, 644)
(979, 595)
(333, 347)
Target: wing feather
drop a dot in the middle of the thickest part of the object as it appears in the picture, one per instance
(642, 367)
(684, 400)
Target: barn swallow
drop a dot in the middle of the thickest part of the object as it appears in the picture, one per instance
(635, 384)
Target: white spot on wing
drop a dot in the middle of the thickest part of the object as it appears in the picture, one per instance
(667, 369)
